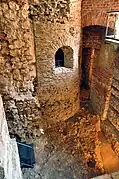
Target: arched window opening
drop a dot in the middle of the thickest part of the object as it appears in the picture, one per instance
(59, 58)
(64, 57)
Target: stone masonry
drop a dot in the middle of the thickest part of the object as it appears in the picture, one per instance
(94, 12)
(58, 88)
(38, 95)
(113, 112)
(104, 84)
(18, 69)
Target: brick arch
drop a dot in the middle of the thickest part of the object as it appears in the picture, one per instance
(94, 18)
(93, 36)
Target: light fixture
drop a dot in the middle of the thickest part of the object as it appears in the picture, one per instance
(112, 29)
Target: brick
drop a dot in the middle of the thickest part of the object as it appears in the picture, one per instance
(97, 11)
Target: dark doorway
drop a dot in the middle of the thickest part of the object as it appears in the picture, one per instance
(85, 68)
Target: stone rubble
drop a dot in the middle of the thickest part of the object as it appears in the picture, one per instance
(68, 144)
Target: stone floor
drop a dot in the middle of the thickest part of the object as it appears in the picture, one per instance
(67, 150)
(58, 166)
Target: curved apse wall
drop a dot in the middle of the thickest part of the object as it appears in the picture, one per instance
(57, 24)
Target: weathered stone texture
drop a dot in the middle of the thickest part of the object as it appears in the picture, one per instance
(93, 36)
(53, 11)
(100, 64)
(58, 88)
(113, 112)
(32, 100)
(17, 50)
(61, 156)
(17, 66)
(23, 117)
(102, 79)
(111, 134)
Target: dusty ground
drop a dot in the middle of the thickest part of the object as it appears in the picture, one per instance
(67, 149)
(73, 149)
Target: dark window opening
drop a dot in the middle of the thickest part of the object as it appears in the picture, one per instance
(64, 57)
(59, 58)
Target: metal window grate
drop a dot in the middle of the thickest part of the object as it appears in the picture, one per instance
(26, 154)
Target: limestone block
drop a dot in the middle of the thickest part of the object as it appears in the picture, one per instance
(11, 15)
(15, 52)
(4, 7)
(18, 44)
(16, 74)
(13, 5)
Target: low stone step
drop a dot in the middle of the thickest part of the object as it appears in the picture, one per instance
(114, 175)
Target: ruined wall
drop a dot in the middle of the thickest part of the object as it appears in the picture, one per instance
(94, 12)
(102, 79)
(93, 37)
(56, 24)
(34, 91)
(113, 112)
(101, 62)
(18, 68)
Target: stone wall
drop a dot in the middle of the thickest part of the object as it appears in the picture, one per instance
(102, 79)
(57, 26)
(113, 112)
(34, 92)
(94, 15)
(51, 11)
(93, 37)
(101, 66)
(18, 68)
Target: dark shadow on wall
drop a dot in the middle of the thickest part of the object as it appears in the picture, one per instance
(93, 37)
(85, 68)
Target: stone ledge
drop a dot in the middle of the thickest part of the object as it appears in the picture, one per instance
(108, 176)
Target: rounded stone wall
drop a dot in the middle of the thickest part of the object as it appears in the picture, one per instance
(57, 24)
